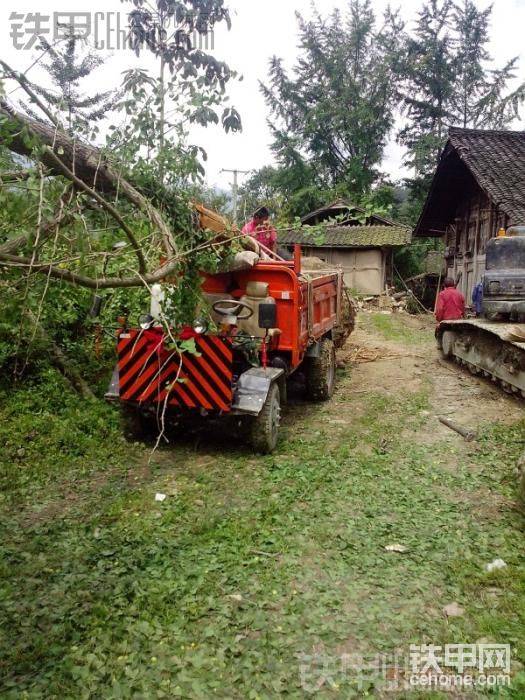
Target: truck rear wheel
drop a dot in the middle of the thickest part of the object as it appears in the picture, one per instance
(320, 372)
(265, 427)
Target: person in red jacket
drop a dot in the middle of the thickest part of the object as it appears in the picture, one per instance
(451, 303)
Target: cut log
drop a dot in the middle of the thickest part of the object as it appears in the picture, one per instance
(469, 435)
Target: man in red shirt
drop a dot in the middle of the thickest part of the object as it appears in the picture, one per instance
(260, 229)
(450, 304)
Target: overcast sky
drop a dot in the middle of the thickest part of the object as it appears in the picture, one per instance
(259, 30)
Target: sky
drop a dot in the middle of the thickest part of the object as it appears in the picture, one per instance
(259, 31)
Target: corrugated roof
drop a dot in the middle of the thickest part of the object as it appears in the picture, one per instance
(494, 159)
(348, 237)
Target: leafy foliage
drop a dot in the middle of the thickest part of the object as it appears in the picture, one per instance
(410, 259)
(196, 84)
(482, 99)
(332, 115)
(430, 78)
(331, 118)
(290, 189)
(150, 149)
(450, 80)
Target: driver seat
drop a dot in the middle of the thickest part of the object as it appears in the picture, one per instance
(256, 294)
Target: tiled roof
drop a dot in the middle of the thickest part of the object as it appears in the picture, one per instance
(348, 237)
(497, 161)
(494, 159)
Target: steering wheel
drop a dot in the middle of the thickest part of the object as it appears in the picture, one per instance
(232, 308)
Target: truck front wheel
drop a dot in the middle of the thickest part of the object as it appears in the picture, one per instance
(265, 427)
(320, 372)
(136, 425)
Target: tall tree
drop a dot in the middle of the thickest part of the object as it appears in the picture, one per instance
(191, 83)
(335, 111)
(450, 81)
(481, 98)
(290, 190)
(430, 76)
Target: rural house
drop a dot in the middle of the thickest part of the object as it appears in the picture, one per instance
(364, 250)
(478, 188)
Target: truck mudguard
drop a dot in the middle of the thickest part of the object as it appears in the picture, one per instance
(252, 389)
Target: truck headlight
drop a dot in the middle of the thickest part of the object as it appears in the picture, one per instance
(201, 326)
(146, 321)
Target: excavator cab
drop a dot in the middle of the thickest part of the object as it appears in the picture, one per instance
(504, 280)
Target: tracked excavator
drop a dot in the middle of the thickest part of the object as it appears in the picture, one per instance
(493, 345)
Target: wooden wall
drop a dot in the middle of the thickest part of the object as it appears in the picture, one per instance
(477, 220)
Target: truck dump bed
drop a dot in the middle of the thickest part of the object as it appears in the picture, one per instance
(308, 304)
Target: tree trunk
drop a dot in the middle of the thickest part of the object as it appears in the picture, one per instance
(86, 162)
(61, 362)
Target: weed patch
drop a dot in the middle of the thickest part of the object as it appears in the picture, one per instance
(251, 561)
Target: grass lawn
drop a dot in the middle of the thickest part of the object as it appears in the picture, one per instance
(251, 562)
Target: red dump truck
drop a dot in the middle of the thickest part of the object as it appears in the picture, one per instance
(268, 322)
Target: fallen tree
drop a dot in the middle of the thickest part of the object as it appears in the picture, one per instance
(75, 216)
(84, 165)
(79, 189)
(92, 172)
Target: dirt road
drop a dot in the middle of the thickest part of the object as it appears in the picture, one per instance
(407, 360)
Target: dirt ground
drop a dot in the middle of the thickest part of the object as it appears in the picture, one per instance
(401, 364)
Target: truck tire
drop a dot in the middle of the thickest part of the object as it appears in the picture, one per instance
(136, 426)
(264, 430)
(320, 372)
(341, 332)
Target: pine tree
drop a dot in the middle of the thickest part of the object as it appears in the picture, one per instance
(430, 75)
(450, 81)
(66, 70)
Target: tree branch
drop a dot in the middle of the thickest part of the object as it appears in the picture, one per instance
(17, 242)
(104, 204)
(90, 282)
(61, 362)
(17, 175)
(25, 85)
(89, 164)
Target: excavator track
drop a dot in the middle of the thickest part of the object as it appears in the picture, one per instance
(489, 349)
